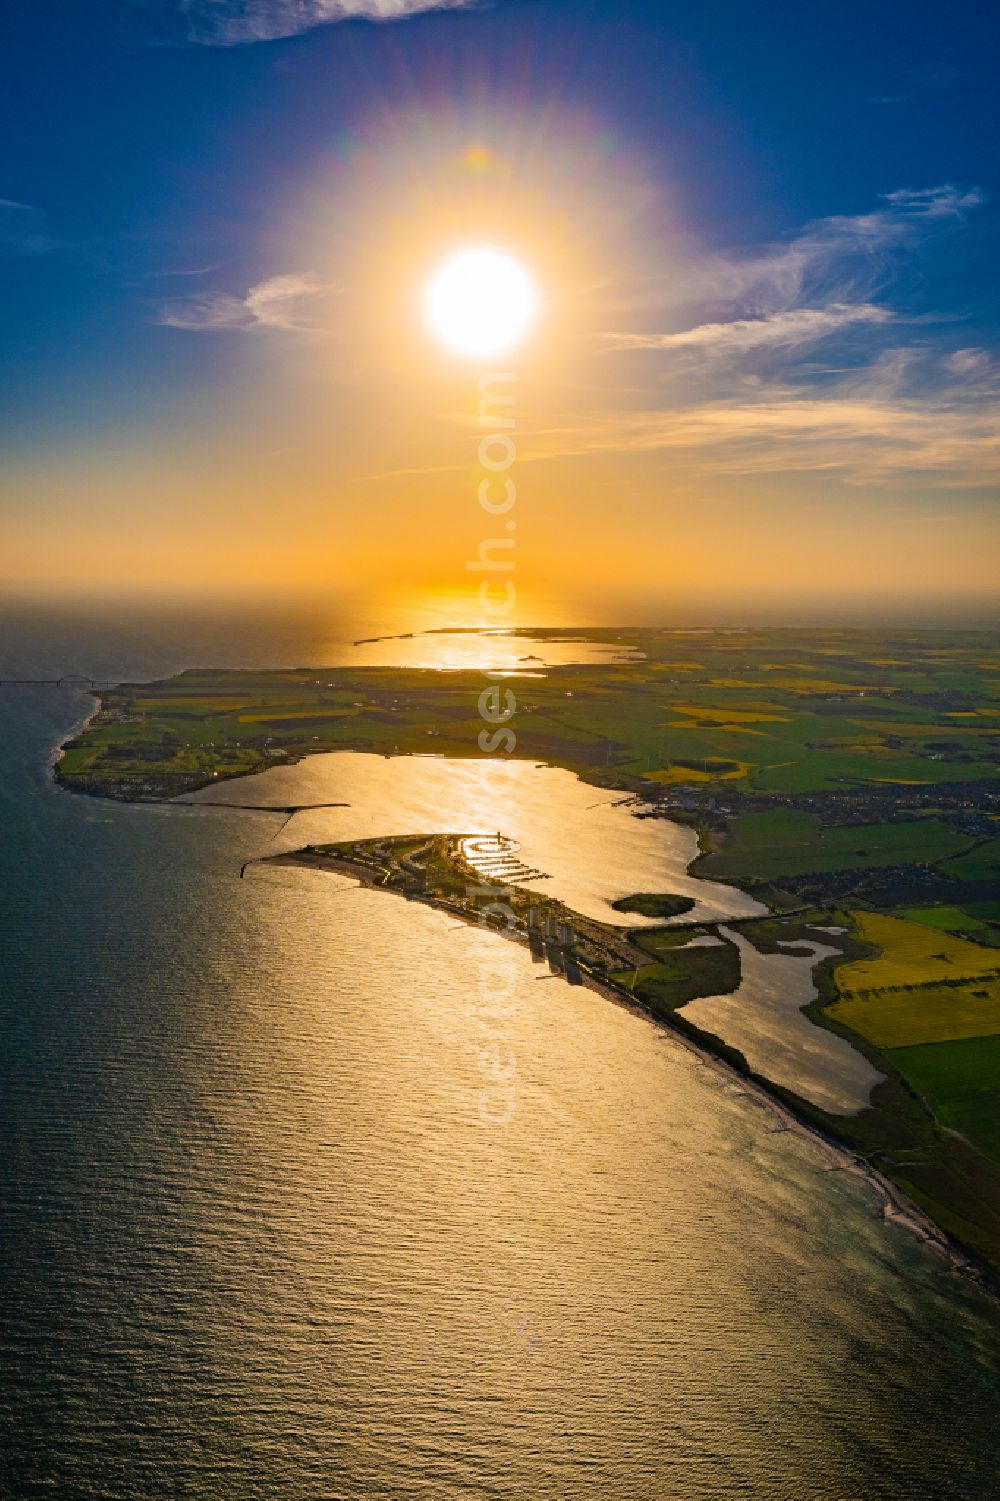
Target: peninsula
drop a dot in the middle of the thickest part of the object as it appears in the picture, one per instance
(849, 780)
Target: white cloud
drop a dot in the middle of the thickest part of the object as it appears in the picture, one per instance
(750, 398)
(234, 23)
(213, 310)
(943, 202)
(294, 303)
(968, 363)
(791, 327)
(843, 258)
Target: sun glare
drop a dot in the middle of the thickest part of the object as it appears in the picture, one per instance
(481, 302)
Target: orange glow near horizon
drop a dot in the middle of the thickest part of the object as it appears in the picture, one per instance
(333, 447)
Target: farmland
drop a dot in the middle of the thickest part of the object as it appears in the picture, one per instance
(949, 919)
(961, 1083)
(749, 715)
(786, 841)
(912, 954)
(911, 1015)
(851, 780)
(926, 1002)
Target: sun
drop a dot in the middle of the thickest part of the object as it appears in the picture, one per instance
(481, 302)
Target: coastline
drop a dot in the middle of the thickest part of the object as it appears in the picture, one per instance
(151, 789)
(851, 1155)
(58, 751)
(898, 1209)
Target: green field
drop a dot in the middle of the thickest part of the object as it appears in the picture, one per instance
(979, 864)
(929, 1003)
(946, 919)
(830, 770)
(968, 921)
(988, 911)
(961, 1083)
(751, 712)
(784, 841)
(678, 973)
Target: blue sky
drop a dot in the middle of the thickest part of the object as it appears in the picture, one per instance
(831, 173)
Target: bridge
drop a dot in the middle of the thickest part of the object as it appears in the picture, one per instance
(68, 680)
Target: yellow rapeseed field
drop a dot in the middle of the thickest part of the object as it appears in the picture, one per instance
(912, 954)
(670, 775)
(772, 714)
(926, 1013)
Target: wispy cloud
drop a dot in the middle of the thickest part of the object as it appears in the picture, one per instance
(293, 303)
(182, 272)
(844, 258)
(860, 439)
(740, 392)
(783, 329)
(943, 202)
(235, 23)
(969, 364)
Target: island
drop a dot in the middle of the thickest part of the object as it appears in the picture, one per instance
(848, 780)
